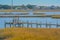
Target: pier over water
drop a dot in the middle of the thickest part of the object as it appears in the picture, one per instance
(24, 19)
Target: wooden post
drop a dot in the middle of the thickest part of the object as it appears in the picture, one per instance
(57, 24)
(5, 25)
(46, 24)
(14, 21)
(49, 25)
(19, 24)
(10, 25)
(22, 25)
(31, 24)
(36, 25)
(40, 24)
(27, 24)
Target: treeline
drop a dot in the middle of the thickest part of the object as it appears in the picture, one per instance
(25, 7)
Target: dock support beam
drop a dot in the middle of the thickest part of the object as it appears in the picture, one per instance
(5, 25)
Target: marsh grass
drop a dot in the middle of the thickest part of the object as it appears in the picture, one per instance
(35, 11)
(30, 34)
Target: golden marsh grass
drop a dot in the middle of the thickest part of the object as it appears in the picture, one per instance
(30, 34)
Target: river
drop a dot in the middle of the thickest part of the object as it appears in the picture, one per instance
(42, 20)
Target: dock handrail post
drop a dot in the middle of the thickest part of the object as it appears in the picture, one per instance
(10, 25)
(46, 24)
(22, 24)
(27, 24)
(49, 24)
(40, 24)
(14, 24)
(31, 24)
(36, 24)
(5, 25)
(57, 24)
(18, 25)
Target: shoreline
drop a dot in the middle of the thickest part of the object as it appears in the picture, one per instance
(35, 11)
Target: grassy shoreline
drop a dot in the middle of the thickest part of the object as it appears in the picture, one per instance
(31, 34)
(57, 10)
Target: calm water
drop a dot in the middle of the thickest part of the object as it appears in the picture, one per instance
(42, 20)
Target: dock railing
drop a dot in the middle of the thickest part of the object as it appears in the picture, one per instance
(32, 24)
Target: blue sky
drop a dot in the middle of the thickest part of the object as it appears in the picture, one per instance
(34, 2)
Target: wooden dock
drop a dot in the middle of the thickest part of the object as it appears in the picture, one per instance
(38, 25)
(21, 24)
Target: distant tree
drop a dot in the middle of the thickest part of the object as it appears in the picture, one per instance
(0, 6)
(58, 7)
(29, 6)
(6, 7)
(52, 7)
(23, 6)
(43, 7)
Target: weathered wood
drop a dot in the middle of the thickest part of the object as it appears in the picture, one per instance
(46, 24)
(40, 24)
(10, 25)
(5, 25)
(21, 24)
(36, 25)
(27, 24)
(57, 25)
(49, 25)
(31, 24)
